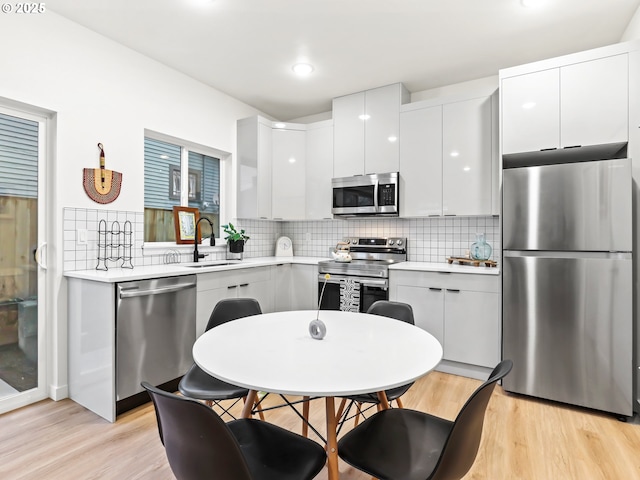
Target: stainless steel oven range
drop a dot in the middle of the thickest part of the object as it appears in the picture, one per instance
(355, 285)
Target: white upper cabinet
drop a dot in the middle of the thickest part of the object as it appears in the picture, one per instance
(254, 168)
(319, 170)
(366, 131)
(448, 158)
(467, 157)
(531, 112)
(578, 104)
(594, 102)
(421, 162)
(382, 129)
(289, 176)
(348, 135)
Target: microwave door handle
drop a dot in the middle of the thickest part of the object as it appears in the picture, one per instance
(375, 196)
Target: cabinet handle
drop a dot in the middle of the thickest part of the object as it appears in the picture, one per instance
(231, 286)
(244, 284)
(573, 146)
(433, 289)
(547, 149)
(453, 290)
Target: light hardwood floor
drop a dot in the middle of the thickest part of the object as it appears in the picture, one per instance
(523, 439)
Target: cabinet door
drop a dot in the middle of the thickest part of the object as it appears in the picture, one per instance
(319, 171)
(261, 290)
(472, 327)
(282, 287)
(254, 169)
(428, 307)
(594, 102)
(348, 135)
(304, 287)
(207, 300)
(531, 112)
(421, 162)
(382, 129)
(466, 157)
(288, 182)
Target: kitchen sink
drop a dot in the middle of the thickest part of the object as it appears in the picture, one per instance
(215, 263)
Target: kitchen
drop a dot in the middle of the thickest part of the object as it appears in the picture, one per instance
(123, 78)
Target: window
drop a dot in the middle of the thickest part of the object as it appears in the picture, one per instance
(164, 164)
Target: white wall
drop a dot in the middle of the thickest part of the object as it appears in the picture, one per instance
(100, 91)
(632, 32)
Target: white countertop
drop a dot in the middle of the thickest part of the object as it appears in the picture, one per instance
(444, 267)
(114, 275)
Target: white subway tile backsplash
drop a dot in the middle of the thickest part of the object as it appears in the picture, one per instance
(431, 239)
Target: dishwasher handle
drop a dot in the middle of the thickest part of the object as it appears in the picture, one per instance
(136, 292)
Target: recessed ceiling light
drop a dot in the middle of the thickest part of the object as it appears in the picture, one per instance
(531, 3)
(392, 138)
(292, 160)
(279, 125)
(454, 153)
(302, 69)
(466, 169)
(364, 117)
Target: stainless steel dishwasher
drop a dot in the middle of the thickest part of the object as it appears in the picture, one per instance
(155, 332)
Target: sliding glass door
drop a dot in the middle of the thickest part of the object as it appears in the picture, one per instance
(22, 259)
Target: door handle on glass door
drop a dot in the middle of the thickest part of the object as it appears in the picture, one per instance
(38, 255)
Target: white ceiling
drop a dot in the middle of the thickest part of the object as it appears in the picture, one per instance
(246, 48)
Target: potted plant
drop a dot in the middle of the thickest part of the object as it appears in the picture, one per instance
(235, 239)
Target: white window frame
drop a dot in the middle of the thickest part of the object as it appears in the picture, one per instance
(186, 146)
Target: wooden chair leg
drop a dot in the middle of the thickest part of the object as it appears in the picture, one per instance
(399, 403)
(256, 404)
(358, 413)
(305, 414)
(341, 408)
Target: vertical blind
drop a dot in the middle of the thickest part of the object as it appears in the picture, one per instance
(18, 157)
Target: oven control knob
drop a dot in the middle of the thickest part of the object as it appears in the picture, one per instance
(354, 241)
(391, 242)
(399, 242)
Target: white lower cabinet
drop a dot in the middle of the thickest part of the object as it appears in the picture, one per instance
(296, 287)
(304, 287)
(472, 327)
(255, 282)
(282, 285)
(461, 310)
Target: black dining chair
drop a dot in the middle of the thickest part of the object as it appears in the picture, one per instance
(399, 311)
(200, 445)
(404, 444)
(197, 383)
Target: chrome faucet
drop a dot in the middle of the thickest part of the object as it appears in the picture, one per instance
(197, 256)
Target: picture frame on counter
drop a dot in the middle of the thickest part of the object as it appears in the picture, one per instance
(185, 220)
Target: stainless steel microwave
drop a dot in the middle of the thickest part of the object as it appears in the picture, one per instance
(373, 194)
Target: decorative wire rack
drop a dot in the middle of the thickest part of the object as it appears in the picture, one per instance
(114, 244)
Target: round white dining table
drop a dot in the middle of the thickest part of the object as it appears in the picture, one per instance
(275, 353)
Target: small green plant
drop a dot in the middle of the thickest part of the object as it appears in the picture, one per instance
(234, 235)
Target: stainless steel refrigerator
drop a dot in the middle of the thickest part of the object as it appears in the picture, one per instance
(567, 282)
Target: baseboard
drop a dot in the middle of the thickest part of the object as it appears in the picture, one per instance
(58, 392)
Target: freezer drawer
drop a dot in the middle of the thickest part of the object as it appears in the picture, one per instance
(567, 326)
(574, 206)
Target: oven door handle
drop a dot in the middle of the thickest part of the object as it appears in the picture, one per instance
(366, 281)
